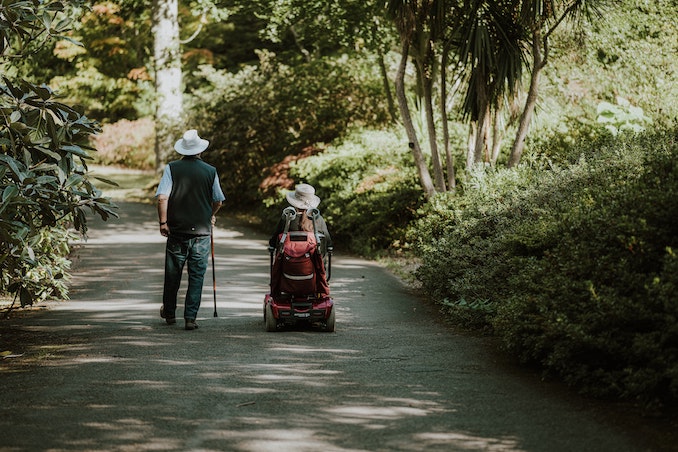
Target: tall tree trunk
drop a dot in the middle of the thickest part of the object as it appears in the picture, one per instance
(481, 134)
(449, 158)
(167, 64)
(438, 174)
(419, 160)
(387, 85)
(497, 135)
(471, 145)
(538, 63)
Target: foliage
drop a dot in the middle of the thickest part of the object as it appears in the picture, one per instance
(127, 143)
(43, 182)
(259, 116)
(354, 24)
(102, 63)
(627, 55)
(27, 26)
(44, 145)
(108, 98)
(621, 117)
(368, 188)
(573, 267)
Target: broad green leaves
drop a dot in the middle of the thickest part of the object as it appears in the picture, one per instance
(27, 25)
(44, 144)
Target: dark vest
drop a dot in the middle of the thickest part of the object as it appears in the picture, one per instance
(189, 210)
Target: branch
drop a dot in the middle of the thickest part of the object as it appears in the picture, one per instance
(196, 32)
(576, 4)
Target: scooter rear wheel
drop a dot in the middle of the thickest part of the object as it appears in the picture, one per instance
(329, 323)
(269, 320)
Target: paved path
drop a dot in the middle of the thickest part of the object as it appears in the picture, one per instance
(109, 375)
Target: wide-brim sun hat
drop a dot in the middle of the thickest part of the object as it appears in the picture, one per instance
(303, 197)
(191, 143)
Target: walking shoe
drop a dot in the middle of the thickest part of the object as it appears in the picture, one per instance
(169, 320)
(191, 325)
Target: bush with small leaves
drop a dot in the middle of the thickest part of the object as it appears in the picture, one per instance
(573, 267)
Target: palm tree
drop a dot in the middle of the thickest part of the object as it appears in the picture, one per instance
(489, 44)
(406, 14)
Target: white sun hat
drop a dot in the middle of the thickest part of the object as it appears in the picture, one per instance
(191, 143)
(303, 197)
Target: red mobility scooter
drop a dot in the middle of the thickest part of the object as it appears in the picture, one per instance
(300, 270)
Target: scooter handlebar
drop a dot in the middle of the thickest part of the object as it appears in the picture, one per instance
(313, 213)
(289, 213)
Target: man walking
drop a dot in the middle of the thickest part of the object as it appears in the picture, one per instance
(189, 195)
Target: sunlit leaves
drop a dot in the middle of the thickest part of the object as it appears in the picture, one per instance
(44, 187)
(26, 25)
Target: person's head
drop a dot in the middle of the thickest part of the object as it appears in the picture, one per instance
(303, 197)
(191, 144)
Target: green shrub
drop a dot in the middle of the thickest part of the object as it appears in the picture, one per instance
(44, 186)
(44, 146)
(261, 115)
(369, 189)
(572, 267)
(44, 269)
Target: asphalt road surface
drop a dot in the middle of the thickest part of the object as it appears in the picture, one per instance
(103, 372)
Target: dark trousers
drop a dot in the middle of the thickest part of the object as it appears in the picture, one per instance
(193, 251)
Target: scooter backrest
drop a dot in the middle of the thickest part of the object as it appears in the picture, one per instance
(299, 243)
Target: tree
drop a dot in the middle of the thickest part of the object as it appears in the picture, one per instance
(44, 146)
(167, 68)
(355, 25)
(542, 18)
(405, 15)
(489, 46)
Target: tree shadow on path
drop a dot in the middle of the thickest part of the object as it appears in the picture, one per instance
(109, 374)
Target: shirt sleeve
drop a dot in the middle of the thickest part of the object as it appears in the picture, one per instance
(217, 193)
(165, 185)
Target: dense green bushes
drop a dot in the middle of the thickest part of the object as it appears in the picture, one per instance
(369, 188)
(574, 268)
(44, 188)
(261, 115)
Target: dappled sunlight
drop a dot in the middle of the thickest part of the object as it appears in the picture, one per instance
(144, 384)
(310, 349)
(95, 359)
(460, 441)
(119, 378)
(240, 391)
(276, 440)
(134, 341)
(358, 414)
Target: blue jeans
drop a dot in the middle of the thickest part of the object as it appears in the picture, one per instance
(195, 251)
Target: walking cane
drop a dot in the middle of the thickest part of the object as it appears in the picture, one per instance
(214, 278)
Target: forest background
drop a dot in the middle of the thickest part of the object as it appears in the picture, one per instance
(410, 119)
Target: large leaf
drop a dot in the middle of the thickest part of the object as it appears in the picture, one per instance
(15, 165)
(73, 180)
(43, 91)
(9, 192)
(77, 150)
(106, 181)
(48, 152)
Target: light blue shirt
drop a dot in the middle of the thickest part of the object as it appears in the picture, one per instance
(165, 186)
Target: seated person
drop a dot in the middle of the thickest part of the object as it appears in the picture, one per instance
(303, 198)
